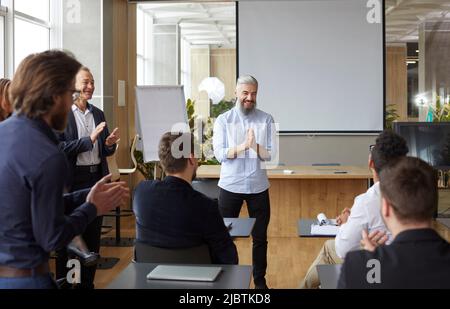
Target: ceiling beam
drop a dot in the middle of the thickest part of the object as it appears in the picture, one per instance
(225, 37)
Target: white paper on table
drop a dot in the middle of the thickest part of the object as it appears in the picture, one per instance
(329, 230)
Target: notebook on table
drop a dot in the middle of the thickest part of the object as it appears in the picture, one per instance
(324, 226)
(184, 273)
(324, 230)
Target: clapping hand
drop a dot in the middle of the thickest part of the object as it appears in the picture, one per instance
(251, 140)
(106, 195)
(343, 217)
(371, 241)
(113, 138)
(99, 129)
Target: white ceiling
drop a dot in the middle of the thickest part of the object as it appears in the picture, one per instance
(403, 17)
(203, 23)
(200, 23)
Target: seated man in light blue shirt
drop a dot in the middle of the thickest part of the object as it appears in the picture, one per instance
(365, 215)
(244, 141)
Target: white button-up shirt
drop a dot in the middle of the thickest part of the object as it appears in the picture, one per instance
(365, 214)
(247, 173)
(85, 126)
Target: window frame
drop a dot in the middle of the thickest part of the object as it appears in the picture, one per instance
(54, 26)
(4, 15)
(146, 57)
(18, 15)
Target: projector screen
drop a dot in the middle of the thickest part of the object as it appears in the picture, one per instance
(319, 63)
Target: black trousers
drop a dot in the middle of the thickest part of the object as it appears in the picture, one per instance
(230, 205)
(91, 235)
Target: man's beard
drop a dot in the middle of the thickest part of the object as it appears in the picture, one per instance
(59, 120)
(244, 110)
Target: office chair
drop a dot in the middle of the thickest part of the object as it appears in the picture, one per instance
(208, 187)
(116, 172)
(112, 162)
(144, 253)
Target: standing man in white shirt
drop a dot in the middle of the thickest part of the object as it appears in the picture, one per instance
(243, 141)
(86, 143)
(365, 216)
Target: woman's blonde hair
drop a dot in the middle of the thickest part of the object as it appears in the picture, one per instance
(4, 97)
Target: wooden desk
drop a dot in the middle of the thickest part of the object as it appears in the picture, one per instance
(304, 194)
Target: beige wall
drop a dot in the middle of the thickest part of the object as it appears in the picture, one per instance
(397, 79)
(124, 68)
(223, 66)
(200, 64)
(206, 62)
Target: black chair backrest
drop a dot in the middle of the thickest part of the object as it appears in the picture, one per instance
(208, 187)
(144, 253)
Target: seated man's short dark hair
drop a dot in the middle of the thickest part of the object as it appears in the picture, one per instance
(172, 152)
(410, 186)
(389, 146)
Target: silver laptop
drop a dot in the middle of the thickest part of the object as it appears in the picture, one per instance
(184, 273)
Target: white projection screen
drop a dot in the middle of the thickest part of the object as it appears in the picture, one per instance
(319, 63)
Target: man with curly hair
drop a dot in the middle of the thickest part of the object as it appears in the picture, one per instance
(364, 216)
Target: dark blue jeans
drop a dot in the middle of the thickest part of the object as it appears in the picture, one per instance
(230, 205)
(38, 282)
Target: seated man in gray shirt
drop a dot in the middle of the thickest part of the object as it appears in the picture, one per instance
(171, 214)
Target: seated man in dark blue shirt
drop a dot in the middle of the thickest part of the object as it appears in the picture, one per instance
(171, 214)
(33, 172)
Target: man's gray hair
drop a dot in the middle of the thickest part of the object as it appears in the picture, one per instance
(246, 80)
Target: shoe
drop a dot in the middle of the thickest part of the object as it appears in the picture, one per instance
(78, 248)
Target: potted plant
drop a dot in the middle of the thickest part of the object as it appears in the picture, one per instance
(441, 112)
(391, 115)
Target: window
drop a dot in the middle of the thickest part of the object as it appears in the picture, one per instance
(39, 9)
(187, 43)
(25, 43)
(27, 26)
(140, 47)
(31, 28)
(144, 32)
(2, 43)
